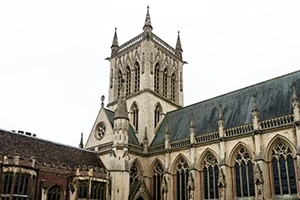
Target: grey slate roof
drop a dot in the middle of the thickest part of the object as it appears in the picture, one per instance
(131, 133)
(273, 99)
(45, 151)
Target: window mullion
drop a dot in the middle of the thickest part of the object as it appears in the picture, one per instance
(279, 175)
(214, 183)
(247, 177)
(287, 174)
(241, 180)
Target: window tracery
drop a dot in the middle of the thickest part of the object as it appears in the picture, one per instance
(165, 82)
(157, 180)
(83, 189)
(137, 77)
(16, 186)
(128, 80)
(210, 177)
(134, 172)
(54, 193)
(283, 167)
(182, 176)
(173, 90)
(244, 177)
(156, 78)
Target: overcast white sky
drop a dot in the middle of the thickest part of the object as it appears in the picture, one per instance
(52, 67)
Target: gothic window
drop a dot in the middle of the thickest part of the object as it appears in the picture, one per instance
(283, 167)
(173, 91)
(210, 175)
(157, 179)
(111, 78)
(128, 80)
(165, 83)
(137, 77)
(54, 193)
(15, 185)
(134, 172)
(119, 82)
(182, 176)
(244, 180)
(135, 116)
(97, 190)
(156, 78)
(157, 113)
(83, 189)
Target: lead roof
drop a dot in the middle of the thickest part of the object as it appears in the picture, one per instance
(273, 99)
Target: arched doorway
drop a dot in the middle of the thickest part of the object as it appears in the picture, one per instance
(140, 198)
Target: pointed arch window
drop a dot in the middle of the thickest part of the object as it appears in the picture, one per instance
(165, 83)
(156, 78)
(135, 116)
(119, 82)
(128, 80)
(157, 114)
(157, 179)
(134, 172)
(83, 189)
(283, 167)
(182, 176)
(244, 178)
(173, 91)
(137, 77)
(54, 193)
(210, 177)
(97, 190)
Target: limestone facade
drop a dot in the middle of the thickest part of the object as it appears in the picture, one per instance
(240, 145)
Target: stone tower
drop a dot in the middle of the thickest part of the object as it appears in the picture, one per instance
(152, 71)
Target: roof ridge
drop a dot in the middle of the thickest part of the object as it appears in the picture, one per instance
(259, 83)
(45, 140)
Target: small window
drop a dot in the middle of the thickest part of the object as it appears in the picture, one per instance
(128, 81)
(137, 77)
(83, 189)
(135, 116)
(54, 193)
(156, 78)
(173, 89)
(119, 83)
(165, 83)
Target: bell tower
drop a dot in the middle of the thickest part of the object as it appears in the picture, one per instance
(152, 71)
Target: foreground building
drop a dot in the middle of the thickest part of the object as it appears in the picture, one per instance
(31, 168)
(241, 145)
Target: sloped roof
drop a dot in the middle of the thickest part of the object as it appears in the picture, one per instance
(46, 151)
(273, 98)
(131, 133)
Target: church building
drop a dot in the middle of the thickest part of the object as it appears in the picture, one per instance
(241, 145)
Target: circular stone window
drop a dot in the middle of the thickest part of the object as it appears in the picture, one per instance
(100, 131)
